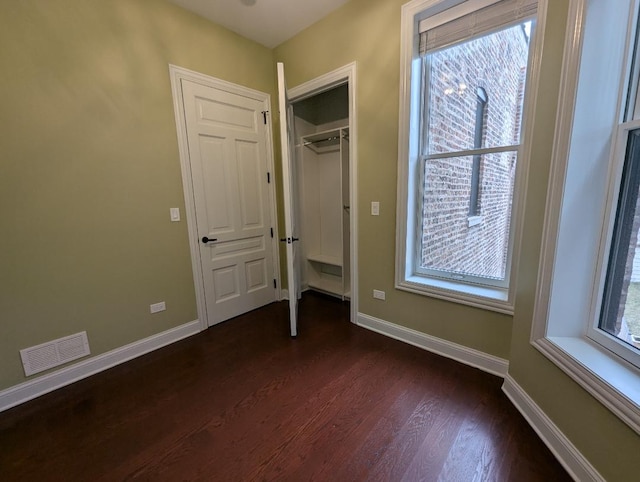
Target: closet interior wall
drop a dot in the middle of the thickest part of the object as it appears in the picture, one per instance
(321, 132)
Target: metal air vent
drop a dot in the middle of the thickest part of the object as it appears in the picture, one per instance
(54, 353)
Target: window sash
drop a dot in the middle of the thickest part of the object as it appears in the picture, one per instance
(628, 134)
(450, 275)
(416, 269)
(622, 233)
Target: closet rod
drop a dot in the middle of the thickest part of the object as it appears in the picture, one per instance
(332, 138)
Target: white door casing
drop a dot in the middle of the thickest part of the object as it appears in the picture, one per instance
(226, 154)
(290, 199)
(340, 76)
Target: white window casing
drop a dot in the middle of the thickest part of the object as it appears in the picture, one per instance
(423, 15)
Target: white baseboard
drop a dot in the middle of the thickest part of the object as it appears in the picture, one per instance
(567, 454)
(51, 381)
(468, 356)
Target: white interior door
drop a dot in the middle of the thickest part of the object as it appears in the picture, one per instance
(227, 144)
(290, 199)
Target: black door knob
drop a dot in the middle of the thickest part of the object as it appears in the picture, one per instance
(206, 240)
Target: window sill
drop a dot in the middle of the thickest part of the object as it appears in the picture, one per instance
(610, 380)
(492, 299)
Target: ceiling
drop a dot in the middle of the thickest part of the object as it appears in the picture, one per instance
(269, 22)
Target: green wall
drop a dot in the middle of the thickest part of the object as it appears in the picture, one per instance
(368, 32)
(90, 167)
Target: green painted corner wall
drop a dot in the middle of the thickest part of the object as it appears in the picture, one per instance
(90, 167)
(368, 32)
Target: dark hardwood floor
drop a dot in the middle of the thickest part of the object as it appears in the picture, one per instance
(243, 401)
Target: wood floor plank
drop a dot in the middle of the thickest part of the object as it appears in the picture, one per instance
(257, 435)
(243, 401)
(352, 395)
(379, 427)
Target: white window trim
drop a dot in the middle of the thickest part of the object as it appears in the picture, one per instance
(561, 336)
(495, 299)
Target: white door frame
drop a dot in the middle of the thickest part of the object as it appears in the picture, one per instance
(177, 74)
(340, 76)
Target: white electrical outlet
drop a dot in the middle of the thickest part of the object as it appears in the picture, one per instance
(157, 307)
(379, 295)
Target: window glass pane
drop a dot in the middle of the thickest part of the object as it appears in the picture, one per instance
(453, 241)
(621, 308)
(495, 63)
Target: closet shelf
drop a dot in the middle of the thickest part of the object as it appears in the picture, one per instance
(324, 259)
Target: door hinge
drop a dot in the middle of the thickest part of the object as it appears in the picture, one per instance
(264, 116)
(268, 178)
(271, 232)
(274, 283)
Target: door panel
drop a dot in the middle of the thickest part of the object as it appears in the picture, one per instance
(256, 274)
(290, 199)
(216, 179)
(225, 279)
(227, 151)
(251, 185)
(214, 110)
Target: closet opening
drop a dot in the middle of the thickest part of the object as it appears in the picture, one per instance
(321, 134)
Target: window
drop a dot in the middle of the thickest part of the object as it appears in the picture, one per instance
(467, 64)
(481, 105)
(618, 326)
(585, 295)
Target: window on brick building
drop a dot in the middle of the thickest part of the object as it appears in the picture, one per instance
(474, 202)
(463, 124)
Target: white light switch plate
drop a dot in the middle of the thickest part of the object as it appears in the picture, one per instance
(375, 208)
(175, 214)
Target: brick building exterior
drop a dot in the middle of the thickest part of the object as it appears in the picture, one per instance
(454, 236)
